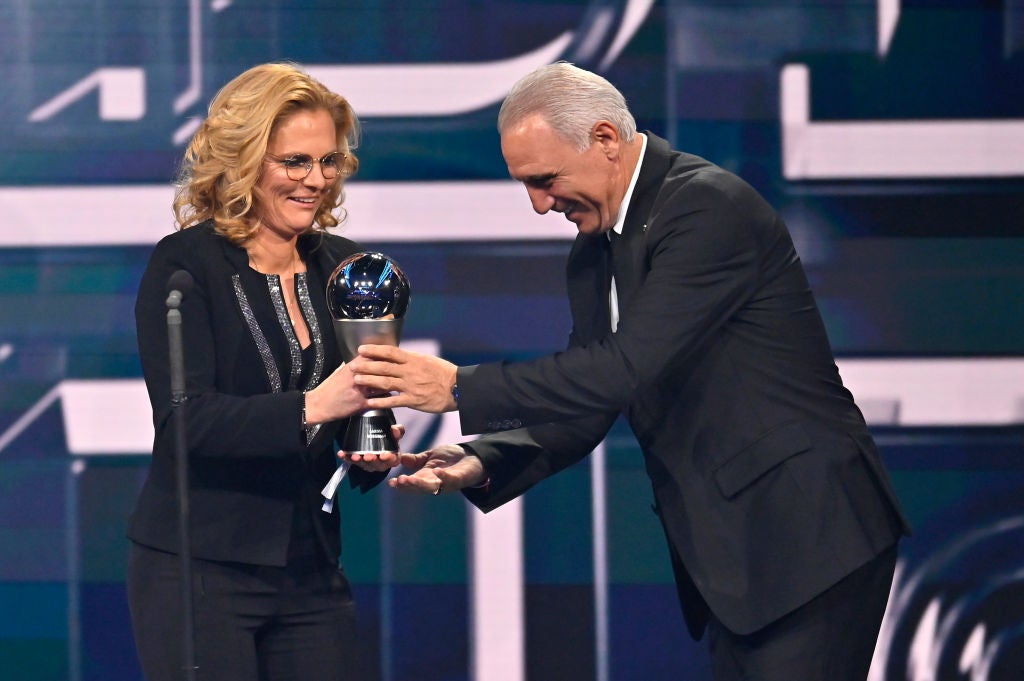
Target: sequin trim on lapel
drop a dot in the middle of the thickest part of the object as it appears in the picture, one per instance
(309, 312)
(294, 347)
(273, 376)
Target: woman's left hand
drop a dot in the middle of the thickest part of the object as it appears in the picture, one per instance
(376, 463)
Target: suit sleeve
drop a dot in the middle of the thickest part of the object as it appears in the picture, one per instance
(703, 265)
(517, 460)
(219, 424)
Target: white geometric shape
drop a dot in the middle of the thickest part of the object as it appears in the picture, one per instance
(377, 212)
(122, 95)
(632, 16)
(888, 18)
(114, 416)
(940, 391)
(22, 423)
(186, 130)
(107, 417)
(193, 90)
(879, 411)
(102, 220)
(599, 515)
(891, 149)
(448, 211)
(444, 89)
(498, 646)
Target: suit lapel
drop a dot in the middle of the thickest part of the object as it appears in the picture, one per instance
(588, 275)
(588, 268)
(631, 251)
(627, 261)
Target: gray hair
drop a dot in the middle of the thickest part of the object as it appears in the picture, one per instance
(570, 100)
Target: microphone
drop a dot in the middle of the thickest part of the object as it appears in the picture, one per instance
(178, 286)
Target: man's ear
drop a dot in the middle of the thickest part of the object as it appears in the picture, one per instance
(607, 136)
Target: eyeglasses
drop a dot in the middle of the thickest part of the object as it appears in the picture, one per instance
(298, 166)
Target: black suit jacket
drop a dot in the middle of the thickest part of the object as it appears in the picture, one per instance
(252, 466)
(766, 480)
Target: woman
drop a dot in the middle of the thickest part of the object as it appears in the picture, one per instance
(265, 387)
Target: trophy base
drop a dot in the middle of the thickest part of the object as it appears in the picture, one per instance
(370, 433)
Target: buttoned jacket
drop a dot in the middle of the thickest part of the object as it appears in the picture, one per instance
(251, 463)
(764, 476)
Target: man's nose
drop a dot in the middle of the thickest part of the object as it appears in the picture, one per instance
(541, 200)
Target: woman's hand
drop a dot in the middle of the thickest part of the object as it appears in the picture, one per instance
(382, 461)
(337, 397)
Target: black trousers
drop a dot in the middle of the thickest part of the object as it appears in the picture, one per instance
(252, 623)
(830, 638)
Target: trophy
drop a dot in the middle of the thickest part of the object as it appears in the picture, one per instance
(368, 295)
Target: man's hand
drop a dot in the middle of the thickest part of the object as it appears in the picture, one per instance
(422, 382)
(442, 469)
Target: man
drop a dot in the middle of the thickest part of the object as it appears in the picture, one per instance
(692, 315)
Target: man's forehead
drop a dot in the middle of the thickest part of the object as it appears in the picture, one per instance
(534, 166)
(533, 153)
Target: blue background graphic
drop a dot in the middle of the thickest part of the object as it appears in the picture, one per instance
(100, 97)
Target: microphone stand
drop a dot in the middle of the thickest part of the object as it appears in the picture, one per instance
(177, 366)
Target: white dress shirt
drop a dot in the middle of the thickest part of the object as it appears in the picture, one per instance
(613, 297)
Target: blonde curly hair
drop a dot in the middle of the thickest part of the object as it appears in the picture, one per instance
(223, 162)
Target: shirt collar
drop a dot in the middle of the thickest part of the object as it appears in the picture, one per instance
(624, 208)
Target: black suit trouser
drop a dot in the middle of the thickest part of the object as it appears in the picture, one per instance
(830, 638)
(252, 623)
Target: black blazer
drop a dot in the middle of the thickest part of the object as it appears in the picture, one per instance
(766, 480)
(252, 465)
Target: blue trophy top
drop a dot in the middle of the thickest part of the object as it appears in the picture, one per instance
(368, 286)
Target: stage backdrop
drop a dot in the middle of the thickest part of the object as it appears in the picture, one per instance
(889, 134)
